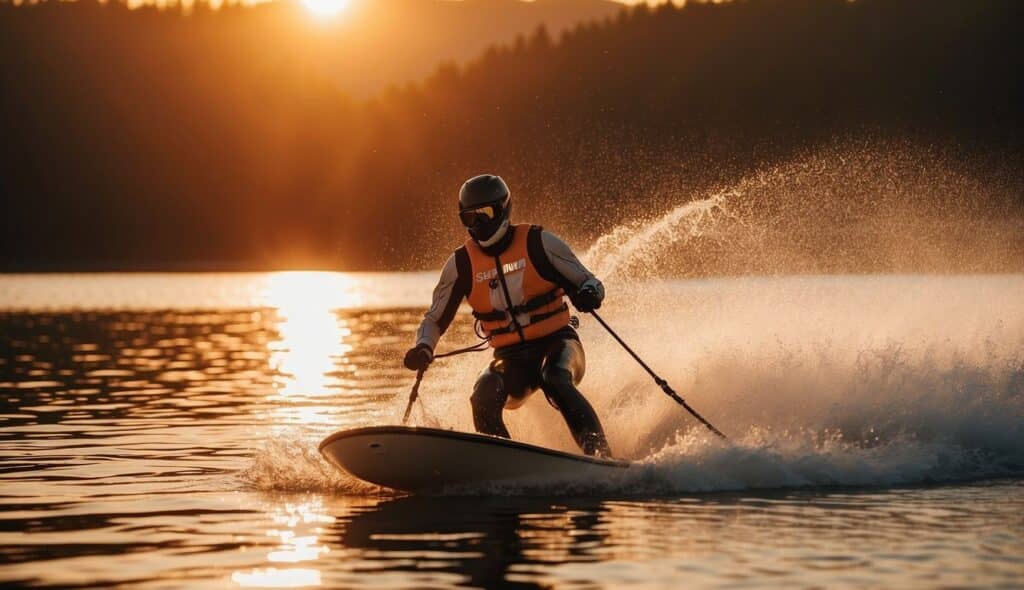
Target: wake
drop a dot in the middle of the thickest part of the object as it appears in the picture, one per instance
(818, 380)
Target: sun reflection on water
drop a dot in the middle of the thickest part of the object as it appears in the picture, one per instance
(312, 335)
(298, 527)
(311, 346)
(272, 577)
(312, 342)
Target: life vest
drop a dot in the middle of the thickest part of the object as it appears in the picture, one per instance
(538, 306)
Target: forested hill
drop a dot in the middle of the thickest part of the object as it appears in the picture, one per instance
(376, 43)
(145, 139)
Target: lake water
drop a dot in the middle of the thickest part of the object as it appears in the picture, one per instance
(160, 431)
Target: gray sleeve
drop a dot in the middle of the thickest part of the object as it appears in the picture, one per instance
(447, 297)
(566, 264)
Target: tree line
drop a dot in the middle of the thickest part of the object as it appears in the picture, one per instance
(148, 139)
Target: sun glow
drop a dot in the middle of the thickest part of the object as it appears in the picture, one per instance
(325, 8)
(312, 335)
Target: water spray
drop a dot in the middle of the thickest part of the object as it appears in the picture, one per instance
(419, 374)
(661, 382)
(657, 379)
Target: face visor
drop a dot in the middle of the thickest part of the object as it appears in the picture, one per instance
(480, 215)
(484, 221)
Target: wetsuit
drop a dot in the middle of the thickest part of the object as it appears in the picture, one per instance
(553, 362)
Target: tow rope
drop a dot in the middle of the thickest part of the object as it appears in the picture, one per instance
(661, 382)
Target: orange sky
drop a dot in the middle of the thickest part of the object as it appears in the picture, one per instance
(324, 6)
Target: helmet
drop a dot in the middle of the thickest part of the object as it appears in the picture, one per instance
(484, 205)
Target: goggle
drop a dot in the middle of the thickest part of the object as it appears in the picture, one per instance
(471, 217)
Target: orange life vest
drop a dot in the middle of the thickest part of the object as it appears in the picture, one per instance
(538, 305)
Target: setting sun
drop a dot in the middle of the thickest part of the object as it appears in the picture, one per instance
(325, 7)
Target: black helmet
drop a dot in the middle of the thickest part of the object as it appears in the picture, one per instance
(484, 205)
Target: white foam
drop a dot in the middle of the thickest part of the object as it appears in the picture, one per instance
(290, 462)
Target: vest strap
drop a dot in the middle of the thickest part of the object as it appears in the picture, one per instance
(533, 319)
(531, 305)
(491, 316)
(538, 301)
(513, 320)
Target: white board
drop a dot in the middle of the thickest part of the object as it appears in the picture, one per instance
(428, 459)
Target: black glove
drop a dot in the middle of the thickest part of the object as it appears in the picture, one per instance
(418, 358)
(587, 299)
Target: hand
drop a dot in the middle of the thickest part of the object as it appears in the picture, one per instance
(418, 357)
(587, 299)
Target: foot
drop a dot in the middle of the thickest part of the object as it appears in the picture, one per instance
(596, 445)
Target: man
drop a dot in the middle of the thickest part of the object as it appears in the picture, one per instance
(516, 278)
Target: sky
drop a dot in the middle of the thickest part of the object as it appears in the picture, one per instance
(321, 7)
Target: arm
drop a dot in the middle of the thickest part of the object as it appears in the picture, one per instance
(452, 287)
(556, 262)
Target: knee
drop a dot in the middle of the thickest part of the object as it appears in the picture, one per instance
(555, 378)
(488, 392)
